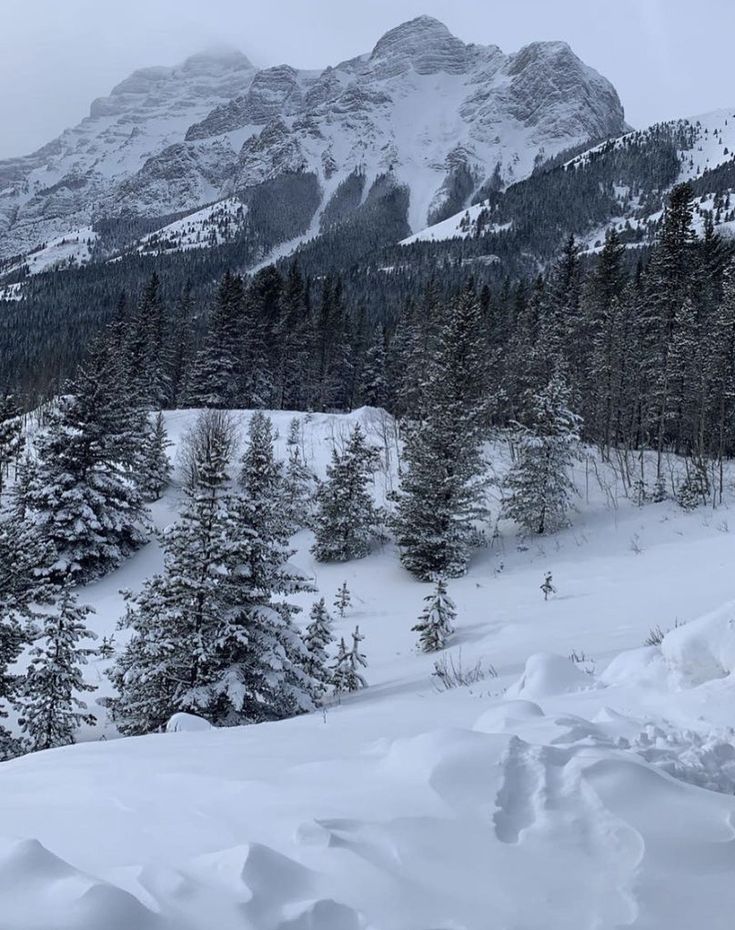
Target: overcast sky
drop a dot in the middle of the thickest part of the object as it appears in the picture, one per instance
(667, 58)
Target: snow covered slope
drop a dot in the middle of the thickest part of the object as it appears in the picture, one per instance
(458, 226)
(563, 794)
(68, 251)
(437, 115)
(703, 151)
(202, 229)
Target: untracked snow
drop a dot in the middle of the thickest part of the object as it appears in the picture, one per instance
(554, 793)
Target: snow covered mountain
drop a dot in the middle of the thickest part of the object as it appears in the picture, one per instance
(624, 184)
(423, 112)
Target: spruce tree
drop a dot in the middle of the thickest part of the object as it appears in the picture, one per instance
(83, 490)
(547, 587)
(721, 365)
(24, 588)
(373, 382)
(603, 344)
(292, 338)
(176, 617)
(299, 484)
(343, 599)
(49, 709)
(317, 638)
(182, 346)
(263, 311)
(11, 437)
(271, 664)
(146, 361)
(155, 464)
(436, 623)
(209, 635)
(25, 557)
(217, 374)
(561, 321)
(261, 480)
(538, 486)
(346, 674)
(13, 637)
(693, 490)
(331, 349)
(346, 519)
(669, 287)
(442, 489)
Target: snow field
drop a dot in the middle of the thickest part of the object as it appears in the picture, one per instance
(560, 795)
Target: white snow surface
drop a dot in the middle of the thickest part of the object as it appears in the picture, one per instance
(205, 228)
(458, 226)
(68, 251)
(563, 794)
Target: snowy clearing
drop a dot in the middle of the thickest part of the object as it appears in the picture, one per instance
(563, 794)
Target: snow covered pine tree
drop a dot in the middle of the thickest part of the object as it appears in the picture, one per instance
(346, 675)
(208, 636)
(299, 483)
(538, 486)
(343, 599)
(436, 623)
(443, 487)
(346, 518)
(11, 436)
(317, 639)
(156, 465)
(83, 490)
(49, 710)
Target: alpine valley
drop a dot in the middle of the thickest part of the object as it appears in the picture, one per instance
(367, 449)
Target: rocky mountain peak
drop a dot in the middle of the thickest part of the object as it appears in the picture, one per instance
(425, 43)
(551, 88)
(218, 58)
(538, 53)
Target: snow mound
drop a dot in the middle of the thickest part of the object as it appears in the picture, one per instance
(40, 890)
(644, 666)
(702, 650)
(446, 828)
(689, 656)
(507, 716)
(187, 723)
(706, 761)
(546, 674)
(325, 914)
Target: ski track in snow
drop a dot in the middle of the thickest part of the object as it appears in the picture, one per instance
(560, 796)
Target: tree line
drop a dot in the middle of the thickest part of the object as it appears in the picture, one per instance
(636, 361)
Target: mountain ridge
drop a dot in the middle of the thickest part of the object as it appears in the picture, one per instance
(635, 173)
(438, 116)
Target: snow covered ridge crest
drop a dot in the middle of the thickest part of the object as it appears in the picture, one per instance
(443, 117)
(634, 174)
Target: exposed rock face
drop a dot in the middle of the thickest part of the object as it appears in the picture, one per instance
(42, 195)
(554, 92)
(424, 45)
(442, 117)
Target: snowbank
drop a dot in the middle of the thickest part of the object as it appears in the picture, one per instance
(547, 674)
(690, 655)
(703, 649)
(187, 723)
